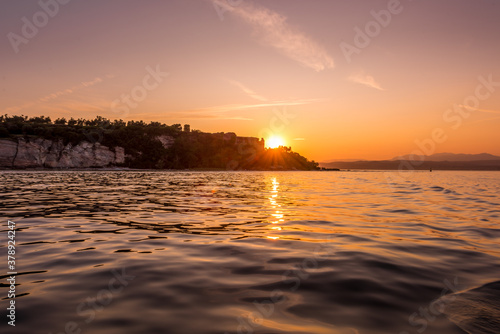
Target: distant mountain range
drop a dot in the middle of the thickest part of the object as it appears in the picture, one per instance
(438, 161)
(452, 157)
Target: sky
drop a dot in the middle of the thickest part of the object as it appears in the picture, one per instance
(336, 79)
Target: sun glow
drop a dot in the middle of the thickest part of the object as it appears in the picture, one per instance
(275, 141)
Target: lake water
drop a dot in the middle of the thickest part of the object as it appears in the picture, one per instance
(253, 252)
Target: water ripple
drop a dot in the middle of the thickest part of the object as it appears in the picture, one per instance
(254, 252)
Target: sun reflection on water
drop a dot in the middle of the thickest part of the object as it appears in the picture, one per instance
(277, 216)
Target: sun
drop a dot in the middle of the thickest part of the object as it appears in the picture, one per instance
(275, 142)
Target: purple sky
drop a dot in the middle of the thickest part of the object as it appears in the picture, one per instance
(293, 68)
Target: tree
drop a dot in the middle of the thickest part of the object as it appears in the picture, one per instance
(60, 121)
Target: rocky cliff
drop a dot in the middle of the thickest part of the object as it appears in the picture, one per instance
(44, 153)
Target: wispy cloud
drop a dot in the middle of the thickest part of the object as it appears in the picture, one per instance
(299, 139)
(236, 107)
(247, 90)
(273, 29)
(486, 120)
(207, 117)
(485, 111)
(481, 110)
(56, 95)
(69, 105)
(220, 112)
(365, 79)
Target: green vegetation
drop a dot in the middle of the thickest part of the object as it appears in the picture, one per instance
(187, 149)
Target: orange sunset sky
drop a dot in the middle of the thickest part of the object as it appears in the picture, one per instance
(335, 79)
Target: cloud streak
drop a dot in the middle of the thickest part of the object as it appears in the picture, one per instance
(56, 95)
(219, 112)
(247, 90)
(480, 110)
(235, 107)
(365, 79)
(273, 29)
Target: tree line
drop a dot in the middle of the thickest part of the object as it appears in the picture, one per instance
(190, 149)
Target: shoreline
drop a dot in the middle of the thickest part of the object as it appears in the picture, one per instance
(118, 169)
(126, 169)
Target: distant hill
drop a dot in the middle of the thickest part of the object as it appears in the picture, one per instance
(439, 161)
(343, 160)
(453, 157)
